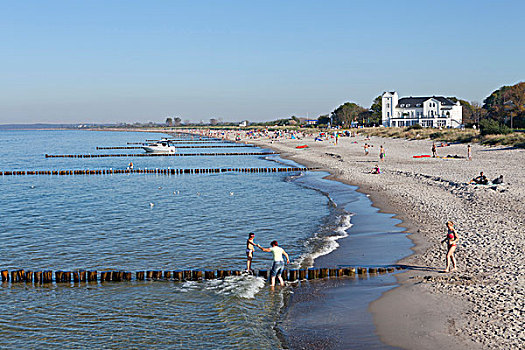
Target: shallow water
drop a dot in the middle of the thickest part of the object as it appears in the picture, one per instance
(145, 222)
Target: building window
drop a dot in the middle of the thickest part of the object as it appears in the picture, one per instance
(388, 114)
(393, 123)
(388, 105)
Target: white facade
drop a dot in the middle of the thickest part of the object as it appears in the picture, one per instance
(435, 111)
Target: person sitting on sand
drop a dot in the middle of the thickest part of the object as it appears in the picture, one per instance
(452, 241)
(480, 180)
(278, 262)
(250, 249)
(376, 170)
(498, 180)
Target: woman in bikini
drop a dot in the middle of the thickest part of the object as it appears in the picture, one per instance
(250, 248)
(452, 241)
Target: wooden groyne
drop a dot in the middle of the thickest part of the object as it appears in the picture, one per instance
(204, 146)
(158, 171)
(158, 155)
(77, 276)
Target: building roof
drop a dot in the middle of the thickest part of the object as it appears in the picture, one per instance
(413, 101)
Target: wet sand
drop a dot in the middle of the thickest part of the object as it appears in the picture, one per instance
(482, 304)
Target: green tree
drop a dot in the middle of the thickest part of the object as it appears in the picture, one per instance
(507, 105)
(323, 119)
(177, 121)
(345, 114)
(377, 110)
(169, 121)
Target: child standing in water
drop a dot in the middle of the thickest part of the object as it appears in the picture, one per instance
(250, 249)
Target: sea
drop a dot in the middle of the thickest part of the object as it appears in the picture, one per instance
(138, 222)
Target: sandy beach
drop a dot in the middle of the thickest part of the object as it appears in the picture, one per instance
(481, 305)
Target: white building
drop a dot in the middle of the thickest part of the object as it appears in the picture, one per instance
(434, 111)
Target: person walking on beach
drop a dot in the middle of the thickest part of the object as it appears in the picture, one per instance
(434, 154)
(365, 147)
(452, 241)
(381, 154)
(278, 262)
(469, 153)
(250, 249)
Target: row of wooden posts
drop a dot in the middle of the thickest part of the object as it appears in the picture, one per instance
(204, 146)
(168, 171)
(21, 276)
(158, 155)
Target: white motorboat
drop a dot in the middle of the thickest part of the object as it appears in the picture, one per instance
(160, 147)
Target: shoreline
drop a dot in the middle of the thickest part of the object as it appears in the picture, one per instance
(480, 305)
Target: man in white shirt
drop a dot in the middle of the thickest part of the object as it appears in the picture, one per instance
(278, 262)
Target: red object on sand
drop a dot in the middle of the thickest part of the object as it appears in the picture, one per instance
(422, 156)
(302, 146)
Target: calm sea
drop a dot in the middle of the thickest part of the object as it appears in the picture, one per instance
(142, 222)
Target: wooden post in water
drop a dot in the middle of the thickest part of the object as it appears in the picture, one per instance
(5, 275)
(117, 276)
(103, 275)
(157, 275)
(302, 274)
(209, 274)
(149, 275)
(139, 275)
(66, 277)
(323, 272)
(76, 277)
(196, 275)
(313, 273)
(381, 270)
(167, 275)
(58, 276)
(390, 269)
(220, 273)
(92, 276)
(48, 276)
(372, 270)
(38, 277)
(29, 276)
(187, 275)
(361, 271)
(236, 272)
(292, 275)
(178, 275)
(349, 271)
(333, 272)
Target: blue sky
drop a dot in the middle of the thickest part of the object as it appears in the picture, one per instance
(127, 61)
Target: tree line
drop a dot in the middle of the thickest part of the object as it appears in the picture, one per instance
(505, 106)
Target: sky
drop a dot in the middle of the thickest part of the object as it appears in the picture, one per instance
(77, 61)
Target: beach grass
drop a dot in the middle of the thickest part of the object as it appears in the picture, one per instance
(515, 139)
